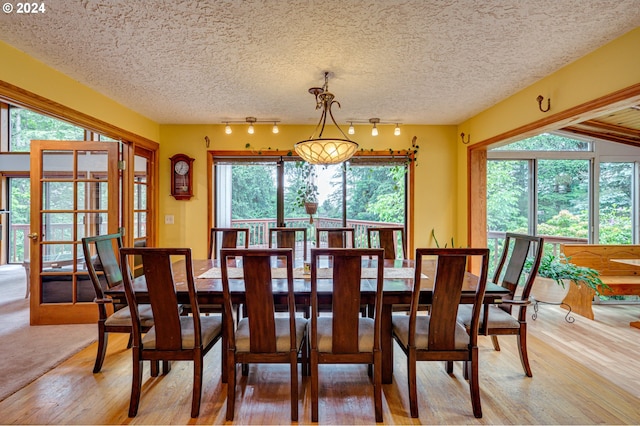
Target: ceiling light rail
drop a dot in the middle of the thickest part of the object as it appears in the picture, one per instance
(375, 122)
(251, 121)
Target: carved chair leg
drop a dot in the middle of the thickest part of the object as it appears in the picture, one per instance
(449, 367)
(377, 385)
(496, 344)
(524, 358)
(231, 385)
(474, 385)
(136, 386)
(294, 387)
(197, 386)
(103, 339)
(413, 389)
(314, 386)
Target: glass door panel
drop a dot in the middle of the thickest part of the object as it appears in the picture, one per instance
(508, 202)
(615, 204)
(75, 195)
(563, 198)
(20, 208)
(376, 196)
(246, 197)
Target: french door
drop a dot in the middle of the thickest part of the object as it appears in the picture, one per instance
(74, 194)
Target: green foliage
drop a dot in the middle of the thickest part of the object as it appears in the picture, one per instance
(306, 190)
(507, 202)
(253, 192)
(26, 125)
(561, 268)
(376, 193)
(435, 240)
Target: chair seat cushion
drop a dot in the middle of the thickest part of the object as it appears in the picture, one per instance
(122, 317)
(401, 330)
(282, 334)
(365, 334)
(210, 328)
(498, 318)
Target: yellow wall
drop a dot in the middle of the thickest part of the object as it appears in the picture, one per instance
(435, 174)
(19, 69)
(611, 68)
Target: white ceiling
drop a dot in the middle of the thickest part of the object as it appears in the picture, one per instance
(412, 61)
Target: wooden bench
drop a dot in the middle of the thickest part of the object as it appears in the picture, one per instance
(623, 279)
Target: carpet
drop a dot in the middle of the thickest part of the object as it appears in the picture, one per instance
(27, 352)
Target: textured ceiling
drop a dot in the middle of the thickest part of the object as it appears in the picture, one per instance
(412, 61)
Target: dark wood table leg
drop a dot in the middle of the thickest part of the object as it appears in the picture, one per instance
(387, 344)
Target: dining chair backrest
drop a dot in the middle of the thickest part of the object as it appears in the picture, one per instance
(157, 264)
(101, 254)
(287, 238)
(259, 305)
(336, 237)
(448, 282)
(387, 238)
(345, 266)
(518, 248)
(229, 239)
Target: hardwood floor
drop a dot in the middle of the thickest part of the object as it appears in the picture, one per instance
(583, 373)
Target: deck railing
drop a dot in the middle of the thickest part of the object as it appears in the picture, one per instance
(259, 233)
(259, 228)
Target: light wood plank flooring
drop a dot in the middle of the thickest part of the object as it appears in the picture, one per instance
(584, 373)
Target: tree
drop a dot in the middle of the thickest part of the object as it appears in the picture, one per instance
(253, 192)
(27, 125)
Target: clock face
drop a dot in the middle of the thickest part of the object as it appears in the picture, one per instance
(181, 168)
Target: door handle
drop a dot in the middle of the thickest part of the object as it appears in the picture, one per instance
(33, 236)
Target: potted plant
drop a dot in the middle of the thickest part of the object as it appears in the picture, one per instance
(307, 193)
(555, 273)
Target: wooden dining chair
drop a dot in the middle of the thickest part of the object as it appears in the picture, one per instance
(437, 336)
(262, 336)
(499, 320)
(229, 238)
(336, 237)
(346, 337)
(387, 238)
(103, 265)
(286, 238)
(173, 337)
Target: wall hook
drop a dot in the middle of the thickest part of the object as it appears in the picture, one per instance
(468, 138)
(207, 141)
(540, 98)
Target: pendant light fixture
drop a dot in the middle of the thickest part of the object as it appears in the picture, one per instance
(327, 150)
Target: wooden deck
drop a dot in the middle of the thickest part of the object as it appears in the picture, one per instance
(583, 373)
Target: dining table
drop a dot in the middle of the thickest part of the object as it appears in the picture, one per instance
(397, 289)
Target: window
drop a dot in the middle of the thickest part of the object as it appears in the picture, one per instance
(581, 191)
(616, 203)
(19, 190)
(261, 192)
(26, 125)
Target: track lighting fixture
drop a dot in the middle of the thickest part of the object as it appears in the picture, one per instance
(251, 129)
(374, 130)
